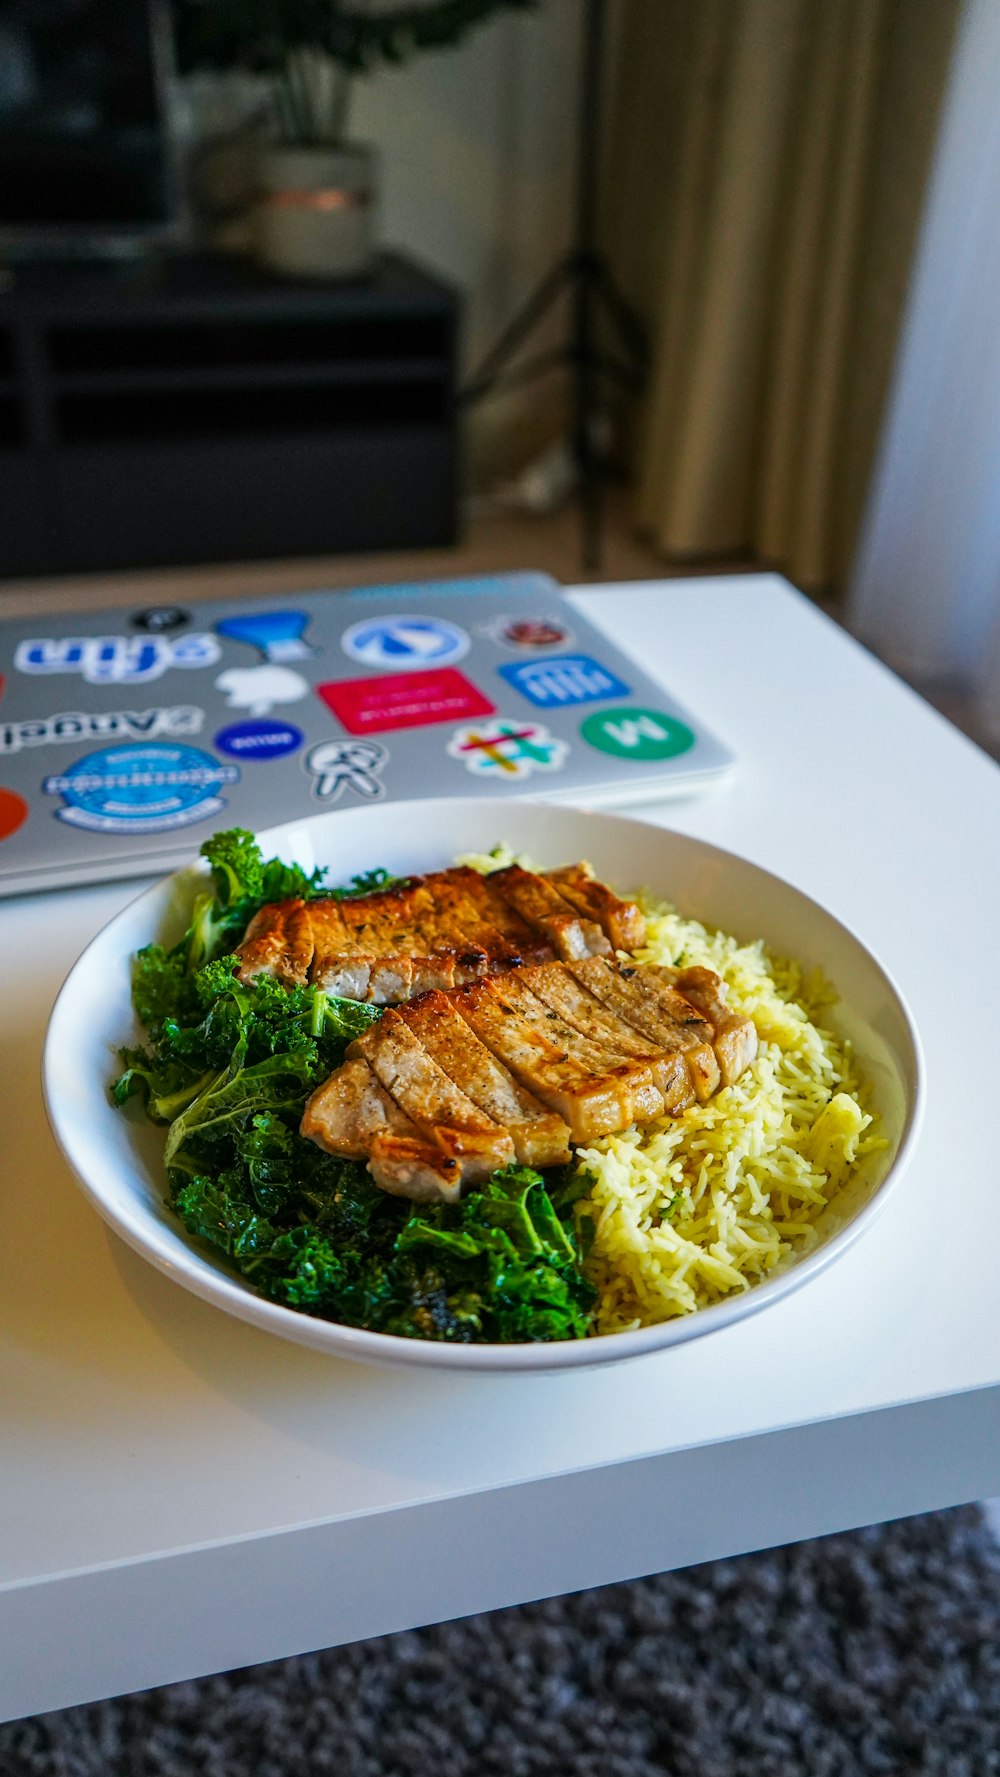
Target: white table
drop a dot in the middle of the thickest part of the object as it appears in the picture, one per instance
(181, 1494)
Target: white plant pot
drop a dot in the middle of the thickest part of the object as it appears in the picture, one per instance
(316, 211)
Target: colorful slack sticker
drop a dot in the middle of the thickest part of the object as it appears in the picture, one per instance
(259, 688)
(71, 726)
(401, 642)
(277, 634)
(404, 700)
(259, 740)
(141, 789)
(563, 679)
(339, 765)
(527, 632)
(636, 734)
(506, 749)
(115, 660)
(13, 812)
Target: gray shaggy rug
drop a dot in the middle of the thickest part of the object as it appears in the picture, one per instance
(875, 1652)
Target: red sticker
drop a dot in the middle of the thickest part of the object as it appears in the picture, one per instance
(13, 812)
(404, 700)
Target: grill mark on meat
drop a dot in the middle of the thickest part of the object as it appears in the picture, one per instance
(539, 902)
(735, 1040)
(560, 990)
(540, 1137)
(279, 941)
(434, 932)
(455, 1084)
(622, 922)
(592, 1100)
(442, 1112)
(661, 1014)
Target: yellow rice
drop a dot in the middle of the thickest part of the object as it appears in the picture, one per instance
(687, 1210)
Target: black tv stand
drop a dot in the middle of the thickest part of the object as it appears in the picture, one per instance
(170, 410)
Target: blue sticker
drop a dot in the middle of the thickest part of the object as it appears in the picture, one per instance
(115, 660)
(259, 740)
(569, 678)
(405, 641)
(141, 789)
(277, 634)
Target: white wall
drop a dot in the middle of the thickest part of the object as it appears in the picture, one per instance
(478, 151)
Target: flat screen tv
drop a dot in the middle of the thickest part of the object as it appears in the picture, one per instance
(84, 149)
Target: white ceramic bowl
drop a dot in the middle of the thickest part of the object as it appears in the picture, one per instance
(118, 1157)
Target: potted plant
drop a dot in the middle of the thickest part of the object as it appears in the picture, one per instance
(317, 190)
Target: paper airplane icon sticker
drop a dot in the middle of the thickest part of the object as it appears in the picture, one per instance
(405, 642)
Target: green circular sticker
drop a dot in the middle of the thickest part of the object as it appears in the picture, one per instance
(636, 734)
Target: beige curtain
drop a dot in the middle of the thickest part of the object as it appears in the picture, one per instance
(767, 162)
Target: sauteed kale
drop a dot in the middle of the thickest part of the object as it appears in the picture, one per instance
(228, 1065)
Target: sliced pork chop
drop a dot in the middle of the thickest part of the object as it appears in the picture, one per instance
(660, 1013)
(351, 1115)
(540, 1137)
(592, 1102)
(350, 1109)
(442, 1112)
(279, 941)
(622, 922)
(557, 986)
(539, 902)
(454, 1085)
(735, 1040)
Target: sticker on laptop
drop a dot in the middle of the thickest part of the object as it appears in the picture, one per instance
(563, 679)
(502, 749)
(70, 727)
(149, 788)
(259, 740)
(528, 632)
(339, 765)
(395, 643)
(115, 660)
(404, 700)
(257, 689)
(159, 620)
(277, 635)
(637, 734)
(13, 812)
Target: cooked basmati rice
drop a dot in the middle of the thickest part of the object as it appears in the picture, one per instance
(687, 1210)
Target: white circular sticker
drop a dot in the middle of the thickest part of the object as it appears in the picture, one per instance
(403, 643)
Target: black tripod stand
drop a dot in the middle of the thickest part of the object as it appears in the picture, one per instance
(584, 274)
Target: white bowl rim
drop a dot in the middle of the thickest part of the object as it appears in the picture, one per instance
(202, 1276)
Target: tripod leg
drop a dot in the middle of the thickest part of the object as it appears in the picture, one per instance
(517, 330)
(626, 322)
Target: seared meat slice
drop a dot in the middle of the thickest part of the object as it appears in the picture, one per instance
(659, 1012)
(353, 1116)
(540, 1137)
(735, 1040)
(350, 1109)
(538, 901)
(621, 921)
(457, 1084)
(279, 941)
(555, 984)
(443, 1113)
(594, 1094)
(438, 931)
